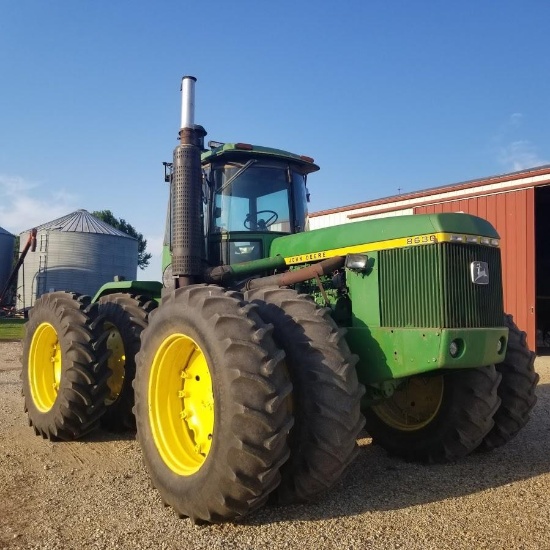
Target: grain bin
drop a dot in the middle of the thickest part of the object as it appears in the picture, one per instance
(7, 241)
(77, 252)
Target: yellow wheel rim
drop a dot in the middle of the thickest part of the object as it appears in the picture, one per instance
(181, 404)
(44, 367)
(414, 405)
(116, 363)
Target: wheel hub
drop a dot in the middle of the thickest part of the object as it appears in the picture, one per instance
(45, 367)
(414, 405)
(181, 404)
(116, 363)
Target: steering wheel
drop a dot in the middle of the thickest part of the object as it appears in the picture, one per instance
(262, 225)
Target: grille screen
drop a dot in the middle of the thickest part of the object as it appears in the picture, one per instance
(431, 286)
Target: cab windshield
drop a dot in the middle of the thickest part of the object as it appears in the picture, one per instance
(256, 196)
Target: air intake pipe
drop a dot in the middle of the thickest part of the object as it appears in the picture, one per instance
(187, 240)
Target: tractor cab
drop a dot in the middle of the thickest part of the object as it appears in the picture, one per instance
(251, 196)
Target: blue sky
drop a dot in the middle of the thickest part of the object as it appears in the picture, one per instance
(385, 95)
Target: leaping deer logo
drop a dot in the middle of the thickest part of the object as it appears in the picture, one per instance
(480, 273)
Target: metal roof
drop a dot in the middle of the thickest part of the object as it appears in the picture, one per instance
(81, 221)
(528, 176)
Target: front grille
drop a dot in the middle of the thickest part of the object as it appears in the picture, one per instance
(431, 286)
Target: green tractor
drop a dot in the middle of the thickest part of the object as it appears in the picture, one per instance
(251, 370)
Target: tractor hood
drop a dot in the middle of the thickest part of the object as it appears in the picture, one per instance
(383, 233)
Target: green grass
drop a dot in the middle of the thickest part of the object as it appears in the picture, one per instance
(11, 329)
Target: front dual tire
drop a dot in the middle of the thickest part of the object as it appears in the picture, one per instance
(516, 389)
(326, 394)
(439, 418)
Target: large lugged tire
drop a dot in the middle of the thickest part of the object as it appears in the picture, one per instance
(326, 393)
(124, 317)
(213, 404)
(516, 389)
(437, 418)
(64, 371)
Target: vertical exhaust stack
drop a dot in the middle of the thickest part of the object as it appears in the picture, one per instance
(185, 194)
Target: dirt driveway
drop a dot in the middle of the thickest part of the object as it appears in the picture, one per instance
(96, 494)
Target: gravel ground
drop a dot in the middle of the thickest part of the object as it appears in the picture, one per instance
(96, 494)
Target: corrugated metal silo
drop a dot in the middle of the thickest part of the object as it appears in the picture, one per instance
(77, 252)
(7, 241)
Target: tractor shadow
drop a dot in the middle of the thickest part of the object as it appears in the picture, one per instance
(377, 482)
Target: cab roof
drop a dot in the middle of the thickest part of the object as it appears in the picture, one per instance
(234, 151)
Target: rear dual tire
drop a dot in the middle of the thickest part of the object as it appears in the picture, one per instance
(64, 372)
(212, 404)
(124, 317)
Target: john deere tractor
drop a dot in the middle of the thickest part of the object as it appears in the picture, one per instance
(251, 370)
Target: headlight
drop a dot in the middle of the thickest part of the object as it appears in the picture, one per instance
(453, 349)
(357, 262)
(456, 347)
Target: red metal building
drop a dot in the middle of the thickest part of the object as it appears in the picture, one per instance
(517, 205)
